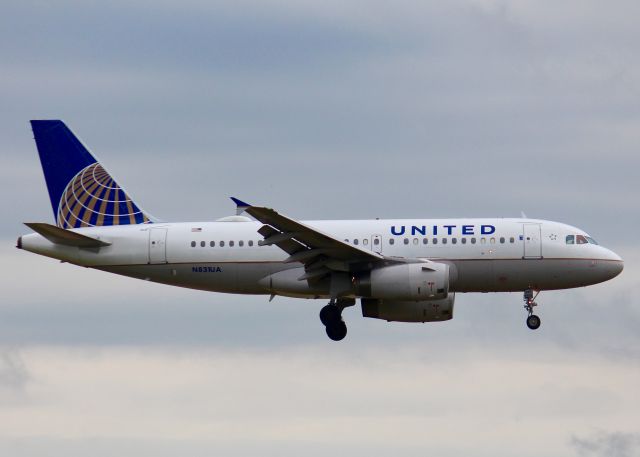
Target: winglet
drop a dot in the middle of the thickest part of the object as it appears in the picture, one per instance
(240, 205)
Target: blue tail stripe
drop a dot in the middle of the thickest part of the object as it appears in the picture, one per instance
(62, 156)
(123, 210)
(110, 209)
(81, 215)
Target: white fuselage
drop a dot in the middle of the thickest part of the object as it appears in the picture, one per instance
(485, 255)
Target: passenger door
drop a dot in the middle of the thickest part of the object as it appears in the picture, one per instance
(158, 245)
(532, 241)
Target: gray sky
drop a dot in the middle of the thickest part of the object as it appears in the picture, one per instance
(323, 110)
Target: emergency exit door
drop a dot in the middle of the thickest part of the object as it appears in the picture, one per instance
(376, 243)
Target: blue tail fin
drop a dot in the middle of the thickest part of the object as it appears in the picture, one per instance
(82, 193)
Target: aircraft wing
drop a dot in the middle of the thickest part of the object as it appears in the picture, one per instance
(320, 253)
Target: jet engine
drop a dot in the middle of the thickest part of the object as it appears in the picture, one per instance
(409, 311)
(407, 281)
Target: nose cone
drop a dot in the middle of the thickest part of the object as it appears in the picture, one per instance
(614, 264)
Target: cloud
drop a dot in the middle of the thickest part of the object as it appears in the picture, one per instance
(436, 100)
(13, 372)
(607, 444)
(315, 397)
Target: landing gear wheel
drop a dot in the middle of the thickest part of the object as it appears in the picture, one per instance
(533, 322)
(331, 317)
(337, 330)
(330, 314)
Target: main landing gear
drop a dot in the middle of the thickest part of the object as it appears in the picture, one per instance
(331, 318)
(533, 321)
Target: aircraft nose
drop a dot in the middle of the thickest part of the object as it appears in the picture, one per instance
(615, 264)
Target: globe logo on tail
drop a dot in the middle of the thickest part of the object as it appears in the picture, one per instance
(93, 198)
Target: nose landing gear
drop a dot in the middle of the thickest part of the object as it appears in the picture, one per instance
(331, 318)
(533, 321)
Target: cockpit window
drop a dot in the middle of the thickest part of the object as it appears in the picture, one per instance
(580, 239)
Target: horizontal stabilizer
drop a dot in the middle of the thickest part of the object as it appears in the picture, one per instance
(59, 235)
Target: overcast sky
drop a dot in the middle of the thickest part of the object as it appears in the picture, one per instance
(323, 110)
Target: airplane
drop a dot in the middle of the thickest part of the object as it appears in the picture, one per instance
(406, 270)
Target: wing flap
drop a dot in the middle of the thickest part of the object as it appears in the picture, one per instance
(320, 253)
(306, 255)
(287, 244)
(306, 237)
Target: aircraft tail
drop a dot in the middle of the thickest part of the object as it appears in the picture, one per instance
(82, 192)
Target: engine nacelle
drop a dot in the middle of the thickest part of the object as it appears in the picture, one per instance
(409, 311)
(408, 281)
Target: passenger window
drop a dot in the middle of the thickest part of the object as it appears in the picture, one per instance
(221, 244)
(346, 240)
(365, 241)
(193, 244)
(376, 241)
(463, 240)
(483, 240)
(492, 240)
(406, 241)
(570, 239)
(250, 242)
(435, 241)
(581, 239)
(212, 244)
(391, 241)
(202, 243)
(415, 241)
(454, 240)
(240, 243)
(231, 244)
(502, 240)
(425, 241)
(512, 240)
(444, 241)
(473, 241)
(355, 241)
